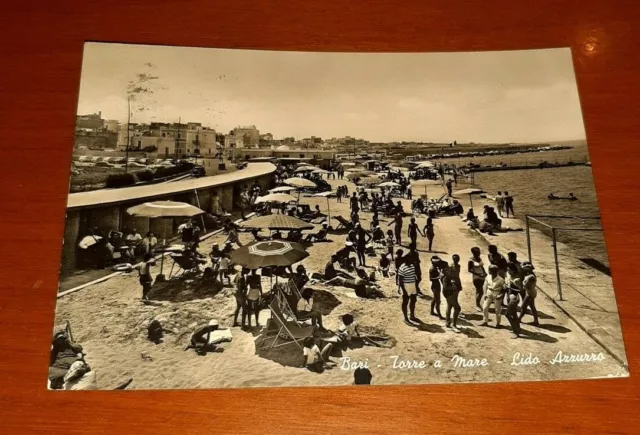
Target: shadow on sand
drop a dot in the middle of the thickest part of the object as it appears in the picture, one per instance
(184, 289)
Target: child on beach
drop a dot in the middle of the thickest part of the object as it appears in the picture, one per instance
(348, 330)
(224, 270)
(316, 360)
(146, 280)
(390, 241)
(512, 315)
(384, 265)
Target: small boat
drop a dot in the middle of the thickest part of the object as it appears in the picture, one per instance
(567, 198)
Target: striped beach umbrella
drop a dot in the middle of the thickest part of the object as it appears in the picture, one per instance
(269, 253)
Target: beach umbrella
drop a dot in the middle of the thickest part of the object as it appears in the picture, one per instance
(422, 165)
(277, 222)
(369, 181)
(304, 169)
(469, 191)
(164, 209)
(358, 174)
(282, 189)
(319, 171)
(348, 164)
(299, 182)
(326, 195)
(389, 184)
(275, 197)
(269, 253)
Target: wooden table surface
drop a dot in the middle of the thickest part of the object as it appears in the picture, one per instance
(41, 50)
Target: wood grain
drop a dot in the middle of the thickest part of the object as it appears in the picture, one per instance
(41, 50)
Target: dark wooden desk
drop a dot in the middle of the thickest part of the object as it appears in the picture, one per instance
(41, 51)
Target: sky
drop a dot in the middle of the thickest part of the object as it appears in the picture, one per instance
(489, 97)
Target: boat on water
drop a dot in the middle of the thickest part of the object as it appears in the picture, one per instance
(570, 197)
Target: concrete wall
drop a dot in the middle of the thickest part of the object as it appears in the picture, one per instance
(71, 240)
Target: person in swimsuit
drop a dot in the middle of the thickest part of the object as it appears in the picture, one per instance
(362, 238)
(306, 310)
(429, 232)
(435, 275)
(407, 288)
(241, 297)
(478, 274)
(254, 282)
(413, 231)
(397, 229)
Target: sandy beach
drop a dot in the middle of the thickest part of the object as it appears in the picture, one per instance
(110, 320)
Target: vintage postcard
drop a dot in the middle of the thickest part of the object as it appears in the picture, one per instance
(243, 218)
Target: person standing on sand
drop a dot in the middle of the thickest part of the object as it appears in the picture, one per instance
(397, 229)
(450, 291)
(494, 287)
(407, 289)
(362, 238)
(241, 297)
(508, 204)
(435, 275)
(413, 231)
(353, 203)
(254, 282)
(449, 187)
(500, 203)
(146, 280)
(529, 285)
(429, 232)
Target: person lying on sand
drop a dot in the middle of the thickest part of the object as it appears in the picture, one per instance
(363, 288)
(200, 338)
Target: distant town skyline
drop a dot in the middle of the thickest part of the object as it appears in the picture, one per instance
(483, 97)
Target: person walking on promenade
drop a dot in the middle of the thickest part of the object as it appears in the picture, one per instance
(429, 232)
(407, 288)
(500, 203)
(508, 204)
(413, 231)
(478, 274)
(397, 229)
(146, 280)
(529, 285)
(435, 275)
(494, 287)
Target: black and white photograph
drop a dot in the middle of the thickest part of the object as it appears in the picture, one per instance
(246, 218)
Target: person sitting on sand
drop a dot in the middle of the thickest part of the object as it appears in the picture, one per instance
(300, 277)
(316, 360)
(276, 235)
(294, 236)
(348, 330)
(305, 309)
(378, 234)
(320, 236)
(256, 237)
(344, 257)
(363, 288)
(455, 208)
